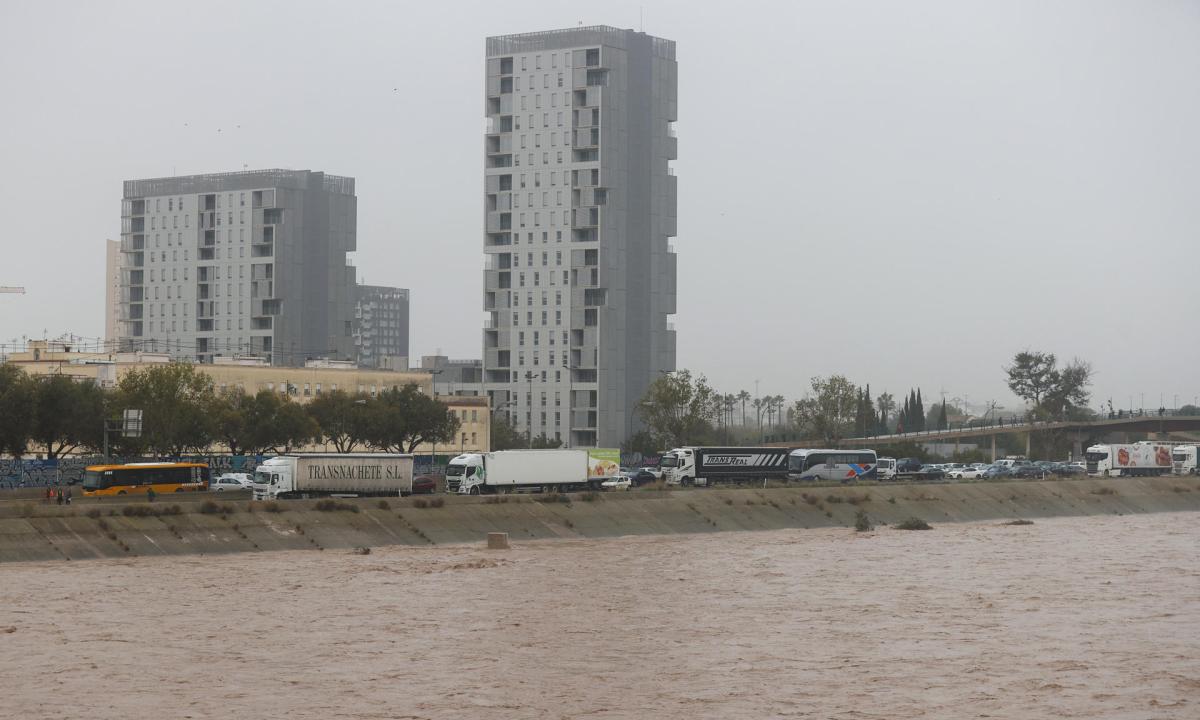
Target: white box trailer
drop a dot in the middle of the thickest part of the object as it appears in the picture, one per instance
(547, 470)
(334, 474)
(1140, 458)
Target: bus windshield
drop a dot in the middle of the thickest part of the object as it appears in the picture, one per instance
(93, 480)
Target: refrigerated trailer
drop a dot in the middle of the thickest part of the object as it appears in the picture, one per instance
(1141, 458)
(333, 474)
(545, 470)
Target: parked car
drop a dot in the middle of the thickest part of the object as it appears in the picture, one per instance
(965, 473)
(230, 481)
(1030, 471)
(622, 482)
(996, 471)
(655, 471)
(425, 484)
(1069, 470)
(932, 472)
(644, 476)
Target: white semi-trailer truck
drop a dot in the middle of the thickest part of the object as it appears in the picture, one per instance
(1140, 458)
(546, 470)
(333, 474)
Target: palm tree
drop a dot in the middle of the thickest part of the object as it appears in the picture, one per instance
(743, 396)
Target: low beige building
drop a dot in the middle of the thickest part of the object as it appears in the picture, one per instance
(45, 357)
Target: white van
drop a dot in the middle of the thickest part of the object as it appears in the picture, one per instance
(1012, 463)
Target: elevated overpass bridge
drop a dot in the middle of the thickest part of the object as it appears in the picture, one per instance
(1149, 423)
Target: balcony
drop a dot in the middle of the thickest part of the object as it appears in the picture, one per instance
(499, 221)
(595, 297)
(586, 139)
(129, 208)
(585, 217)
(499, 144)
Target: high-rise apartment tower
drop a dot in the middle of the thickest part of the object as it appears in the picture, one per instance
(239, 263)
(580, 202)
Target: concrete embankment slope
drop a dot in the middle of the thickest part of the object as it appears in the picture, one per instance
(30, 531)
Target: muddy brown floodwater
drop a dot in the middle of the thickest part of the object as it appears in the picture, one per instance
(1070, 617)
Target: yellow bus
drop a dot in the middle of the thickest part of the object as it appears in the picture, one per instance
(135, 478)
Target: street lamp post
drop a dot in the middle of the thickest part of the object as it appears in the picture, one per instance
(529, 376)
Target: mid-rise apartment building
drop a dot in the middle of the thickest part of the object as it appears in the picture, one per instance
(112, 293)
(242, 263)
(381, 327)
(580, 203)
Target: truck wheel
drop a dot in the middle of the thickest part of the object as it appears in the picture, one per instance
(475, 490)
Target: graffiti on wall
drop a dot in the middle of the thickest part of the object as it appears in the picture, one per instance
(69, 470)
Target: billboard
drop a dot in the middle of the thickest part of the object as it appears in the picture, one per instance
(604, 462)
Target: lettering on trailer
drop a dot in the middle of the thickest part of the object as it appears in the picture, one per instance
(354, 472)
(760, 460)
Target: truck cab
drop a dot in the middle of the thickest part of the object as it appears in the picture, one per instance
(886, 468)
(272, 477)
(465, 474)
(679, 466)
(1183, 460)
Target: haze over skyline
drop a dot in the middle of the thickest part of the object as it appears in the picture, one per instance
(904, 194)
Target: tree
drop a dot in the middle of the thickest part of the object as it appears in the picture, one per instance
(399, 420)
(642, 443)
(292, 427)
(1031, 375)
(677, 409)
(16, 410)
(1053, 392)
(942, 422)
(505, 436)
(229, 415)
(542, 442)
(829, 412)
(1189, 410)
(743, 396)
(67, 414)
(175, 400)
(886, 404)
(342, 417)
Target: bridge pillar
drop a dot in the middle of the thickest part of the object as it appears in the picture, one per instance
(1028, 443)
(993, 448)
(956, 450)
(1077, 449)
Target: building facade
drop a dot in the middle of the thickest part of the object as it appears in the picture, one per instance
(381, 327)
(461, 378)
(112, 293)
(580, 203)
(239, 263)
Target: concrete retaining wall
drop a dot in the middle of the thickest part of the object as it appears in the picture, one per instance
(30, 531)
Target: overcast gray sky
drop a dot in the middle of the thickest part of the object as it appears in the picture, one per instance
(905, 193)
